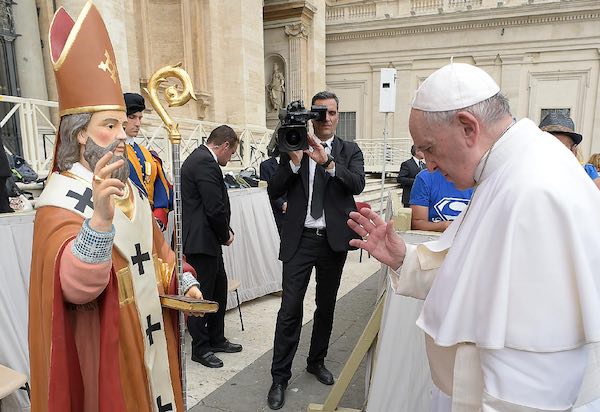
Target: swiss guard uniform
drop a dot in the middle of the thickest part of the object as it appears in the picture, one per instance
(146, 169)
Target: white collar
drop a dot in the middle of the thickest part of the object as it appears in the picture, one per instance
(212, 153)
(130, 141)
(499, 150)
(328, 142)
(81, 171)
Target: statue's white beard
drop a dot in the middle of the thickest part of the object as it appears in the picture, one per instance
(93, 152)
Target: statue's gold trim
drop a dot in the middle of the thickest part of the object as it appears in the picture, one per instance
(74, 176)
(126, 204)
(163, 273)
(109, 67)
(92, 109)
(125, 286)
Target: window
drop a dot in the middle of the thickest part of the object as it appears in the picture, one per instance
(564, 111)
(346, 128)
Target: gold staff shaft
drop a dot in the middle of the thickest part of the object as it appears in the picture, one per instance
(174, 98)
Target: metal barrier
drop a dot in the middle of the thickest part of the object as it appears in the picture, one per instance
(398, 150)
(251, 151)
(38, 136)
(37, 130)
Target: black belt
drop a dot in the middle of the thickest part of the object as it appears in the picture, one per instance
(319, 231)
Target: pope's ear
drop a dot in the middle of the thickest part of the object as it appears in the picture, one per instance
(470, 127)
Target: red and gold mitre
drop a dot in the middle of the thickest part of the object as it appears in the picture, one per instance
(84, 63)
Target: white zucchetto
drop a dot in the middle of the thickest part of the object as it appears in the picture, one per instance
(454, 86)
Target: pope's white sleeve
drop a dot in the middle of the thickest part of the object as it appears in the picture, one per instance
(415, 276)
(523, 381)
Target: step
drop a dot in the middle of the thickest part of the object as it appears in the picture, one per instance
(375, 195)
(377, 183)
(377, 188)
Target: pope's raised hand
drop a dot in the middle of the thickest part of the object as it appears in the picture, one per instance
(104, 187)
(378, 237)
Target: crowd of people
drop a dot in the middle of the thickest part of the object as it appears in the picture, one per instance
(511, 290)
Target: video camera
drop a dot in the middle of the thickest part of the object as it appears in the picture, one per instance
(293, 133)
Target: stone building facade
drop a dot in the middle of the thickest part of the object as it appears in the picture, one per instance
(545, 54)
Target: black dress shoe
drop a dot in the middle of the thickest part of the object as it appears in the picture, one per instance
(276, 396)
(209, 360)
(321, 372)
(227, 347)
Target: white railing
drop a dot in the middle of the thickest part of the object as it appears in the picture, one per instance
(463, 4)
(37, 130)
(38, 136)
(350, 13)
(397, 151)
(440, 6)
(251, 151)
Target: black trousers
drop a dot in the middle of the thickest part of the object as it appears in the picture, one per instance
(209, 330)
(4, 204)
(313, 251)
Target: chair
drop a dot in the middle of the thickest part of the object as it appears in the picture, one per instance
(10, 381)
(233, 286)
(362, 205)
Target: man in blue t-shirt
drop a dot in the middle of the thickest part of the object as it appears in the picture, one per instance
(435, 201)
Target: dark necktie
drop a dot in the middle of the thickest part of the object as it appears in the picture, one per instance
(318, 192)
(421, 164)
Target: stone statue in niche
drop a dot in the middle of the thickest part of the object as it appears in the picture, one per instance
(276, 88)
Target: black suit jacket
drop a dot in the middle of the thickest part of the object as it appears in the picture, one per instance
(205, 204)
(406, 177)
(349, 180)
(267, 170)
(4, 166)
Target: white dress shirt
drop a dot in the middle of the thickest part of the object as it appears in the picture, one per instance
(212, 153)
(310, 221)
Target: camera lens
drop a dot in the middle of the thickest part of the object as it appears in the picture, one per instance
(293, 137)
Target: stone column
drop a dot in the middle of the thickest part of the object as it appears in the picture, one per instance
(297, 39)
(28, 51)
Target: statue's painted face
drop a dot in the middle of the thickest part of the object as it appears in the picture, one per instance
(105, 133)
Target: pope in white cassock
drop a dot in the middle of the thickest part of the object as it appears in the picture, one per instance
(512, 288)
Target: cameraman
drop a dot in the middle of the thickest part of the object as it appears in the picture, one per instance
(320, 183)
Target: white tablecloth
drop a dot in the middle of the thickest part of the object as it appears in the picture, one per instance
(401, 380)
(251, 259)
(16, 233)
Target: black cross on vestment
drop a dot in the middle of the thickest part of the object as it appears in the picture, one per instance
(83, 201)
(139, 258)
(151, 329)
(161, 407)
